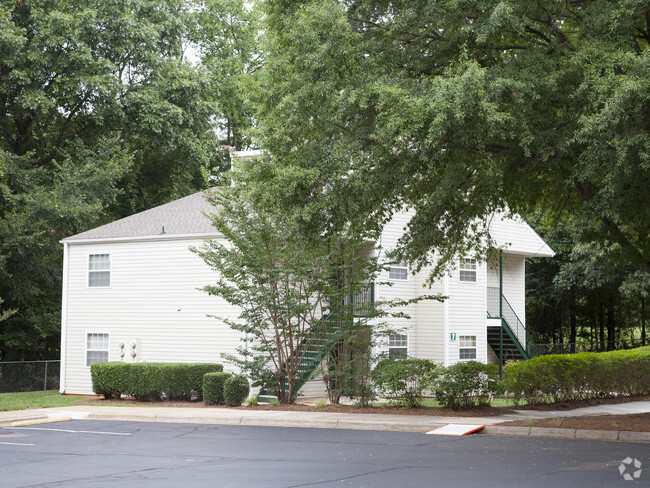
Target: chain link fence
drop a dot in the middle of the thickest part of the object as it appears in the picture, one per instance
(16, 376)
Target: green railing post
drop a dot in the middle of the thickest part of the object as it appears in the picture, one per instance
(501, 314)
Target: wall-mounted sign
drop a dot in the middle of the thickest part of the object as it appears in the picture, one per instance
(452, 336)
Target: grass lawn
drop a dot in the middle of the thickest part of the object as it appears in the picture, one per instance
(36, 399)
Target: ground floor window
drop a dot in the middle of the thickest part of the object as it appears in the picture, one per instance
(398, 346)
(466, 347)
(96, 348)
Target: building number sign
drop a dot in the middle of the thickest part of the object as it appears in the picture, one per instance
(452, 336)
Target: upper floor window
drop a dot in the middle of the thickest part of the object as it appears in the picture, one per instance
(467, 269)
(99, 270)
(399, 271)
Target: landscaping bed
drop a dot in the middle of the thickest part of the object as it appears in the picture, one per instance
(639, 422)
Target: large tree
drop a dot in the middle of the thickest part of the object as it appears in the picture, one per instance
(455, 108)
(101, 117)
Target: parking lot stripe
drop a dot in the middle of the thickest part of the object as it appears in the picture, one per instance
(15, 444)
(73, 431)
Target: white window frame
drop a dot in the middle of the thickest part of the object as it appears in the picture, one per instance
(109, 270)
(403, 345)
(468, 269)
(107, 350)
(400, 269)
(473, 345)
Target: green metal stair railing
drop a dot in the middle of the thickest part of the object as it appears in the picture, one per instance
(311, 351)
(514, 327)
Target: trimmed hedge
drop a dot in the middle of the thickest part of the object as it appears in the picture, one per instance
(179, 381)
(564, 377)
(405, 381)
(468, 384)
(213, 387)
(235, 390)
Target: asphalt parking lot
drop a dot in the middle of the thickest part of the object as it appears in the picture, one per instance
(132, 454)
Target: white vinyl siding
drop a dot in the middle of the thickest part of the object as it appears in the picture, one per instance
(467, 348)
(99, 270)
(97, 348)
(154, 300)
(467, 270)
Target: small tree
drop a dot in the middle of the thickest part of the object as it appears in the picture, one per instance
(302, 288)
(283, 279)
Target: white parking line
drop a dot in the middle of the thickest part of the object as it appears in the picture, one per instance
(72, 431)
(15, 444)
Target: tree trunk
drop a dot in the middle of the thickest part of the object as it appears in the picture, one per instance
(611, 325)
(643, 321)
(572, 318)
(601, 325)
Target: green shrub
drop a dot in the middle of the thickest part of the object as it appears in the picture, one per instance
(235, 390)
(179, 381)
(564, 377)
(213, 387)
(405, 381)
(467, 384)
(106, 379)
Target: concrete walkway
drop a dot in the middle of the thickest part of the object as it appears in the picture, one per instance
(406, 423)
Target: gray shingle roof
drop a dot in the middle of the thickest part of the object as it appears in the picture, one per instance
(180, 217)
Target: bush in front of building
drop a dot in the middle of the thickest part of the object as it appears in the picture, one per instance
(467, 384)
(235, 390)
(567, 377)
(213, 387)
(151, 381)
(405, 381)
(107, 379)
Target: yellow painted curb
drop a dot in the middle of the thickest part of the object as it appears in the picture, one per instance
(22, 423)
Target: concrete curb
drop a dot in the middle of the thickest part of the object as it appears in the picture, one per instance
(320, 421)
(580, 434)
(23, 423)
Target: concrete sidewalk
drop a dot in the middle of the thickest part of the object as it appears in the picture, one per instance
(278, 418)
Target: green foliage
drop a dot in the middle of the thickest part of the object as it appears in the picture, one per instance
(235, 390)
(292, 284)
(559, 377)
(178, 381)
(108, 379)
(213, 387)
(225, 32)
(101, 118)
(405, 381)
(520, 103)
(252, 401)
(467, 384)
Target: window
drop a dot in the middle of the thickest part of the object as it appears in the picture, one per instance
(398, 272)
(99, 270)
(466, 347)
(398, 346)
(468, 269)
(96, 348)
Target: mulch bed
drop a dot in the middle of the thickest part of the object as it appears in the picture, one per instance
(639, 422)
(392, 410)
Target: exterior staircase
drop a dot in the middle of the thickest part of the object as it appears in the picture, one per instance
(516, 343)
(311, 351)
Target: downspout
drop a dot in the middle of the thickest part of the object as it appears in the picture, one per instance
(64, 318)
(501, 314)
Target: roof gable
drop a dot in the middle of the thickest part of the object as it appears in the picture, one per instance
(185, 216)
(514, 235)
